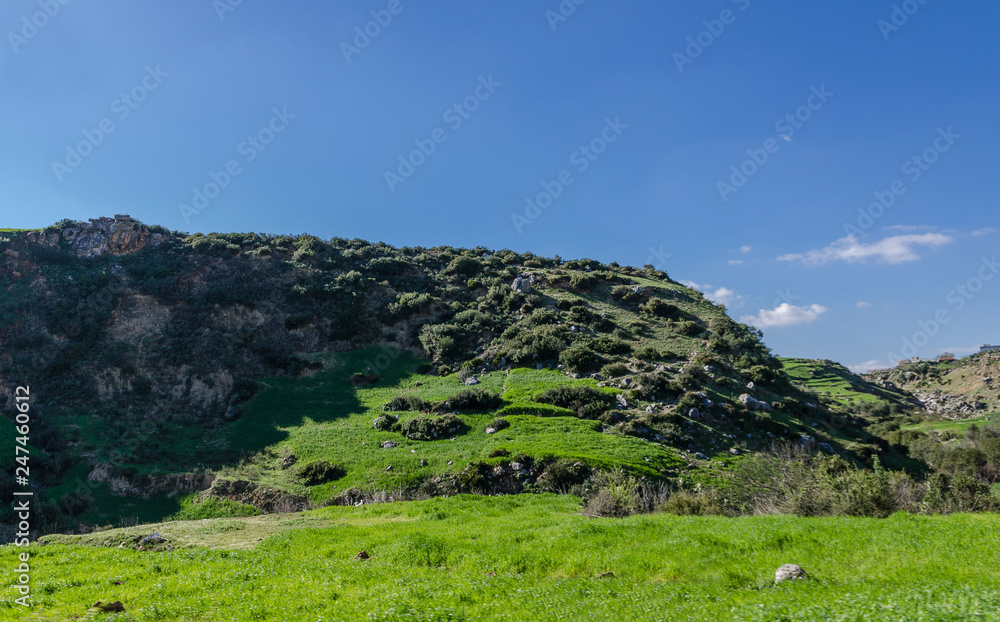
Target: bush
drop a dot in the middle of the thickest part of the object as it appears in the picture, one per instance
(388, 423)
(429, 429)
(648, 354)
(320, 472)
(580, 359)
(688, 504)
(471, 399)
(660, 308)
(406, 402)
(614, 370)
(564, 477)
(688, 328)
(608, 345)
(585, 402)
(498, 424)
(582, 281)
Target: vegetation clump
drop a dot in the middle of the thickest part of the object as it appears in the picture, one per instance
(431, 428)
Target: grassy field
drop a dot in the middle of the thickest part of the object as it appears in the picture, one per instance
(520, 558)
(953, 426)
(325, 418)
(832, 382)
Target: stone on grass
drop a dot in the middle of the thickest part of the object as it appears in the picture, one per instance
(789, 572)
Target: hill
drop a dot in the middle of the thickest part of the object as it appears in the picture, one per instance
(200, 375)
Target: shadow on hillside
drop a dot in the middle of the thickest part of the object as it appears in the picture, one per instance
(327, 396)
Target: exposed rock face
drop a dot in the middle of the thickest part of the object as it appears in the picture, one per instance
(120, 235)
(264, 499)
(950, 406)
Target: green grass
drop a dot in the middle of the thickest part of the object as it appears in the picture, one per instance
(832, 382)
(952, 426)
(324, 417)
(521, 558)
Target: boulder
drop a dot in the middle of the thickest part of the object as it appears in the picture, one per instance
(471, 381)
(491, 430)
(789, 572)
(622, 402)
(694, 413)
(389, 445)
(749, 402)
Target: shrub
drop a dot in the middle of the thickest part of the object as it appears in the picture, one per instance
(498, 424)
(608, 345)
(688, 328)
(580, 359)
(463, 266)
(406, 402)
(648, 354)
(320, 472)
(471, 399)
(660, 308)
(542, 343)
(564, 477)
(582, 281)
(614, 370)
(388, 423)
(688, 504)
(428, 428)
(585, 402)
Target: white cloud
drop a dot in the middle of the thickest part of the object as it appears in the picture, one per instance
(867, 366)
(986, 231)
(784, 315)
(718, 295)
(908, 228)
(892, 250)
(745, 249)
(861, 304)
(735, 262)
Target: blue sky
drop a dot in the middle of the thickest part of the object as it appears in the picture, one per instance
(731, 143)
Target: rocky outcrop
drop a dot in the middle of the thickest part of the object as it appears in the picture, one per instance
(264, 499)
(950, 406)
(120, 235)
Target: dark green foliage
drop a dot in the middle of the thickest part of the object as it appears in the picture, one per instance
(431, 428)
(614, 370)
(586, 402)
(408, 304)
(564, 477)
(648, 354)
(387, 423)
(583, 282)
(609, 345)
(463, 266)
(320, 472)
(580, 359)
(688, 328)
(406, 402)
(522, 345)
(471, 400)
(658, 307)
(498, 424)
